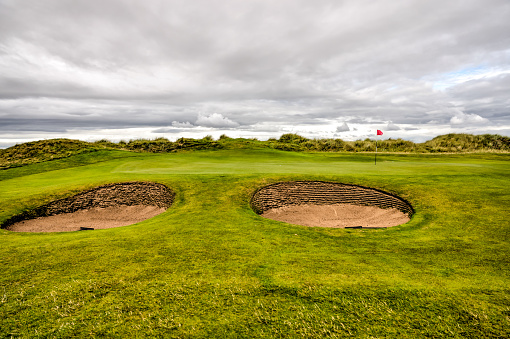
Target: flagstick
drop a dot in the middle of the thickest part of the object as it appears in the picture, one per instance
(376, 151)
(377, 133)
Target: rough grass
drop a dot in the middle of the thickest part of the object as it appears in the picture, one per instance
(43, 150)
(46, 150)
(210, 267)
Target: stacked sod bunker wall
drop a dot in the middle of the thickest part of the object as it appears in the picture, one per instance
(294, 193)
(110, 195)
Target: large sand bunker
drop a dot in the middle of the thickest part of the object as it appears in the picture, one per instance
(106, 206)
(329, 204)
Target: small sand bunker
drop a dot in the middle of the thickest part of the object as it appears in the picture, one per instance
(328, 204)
(106, 206)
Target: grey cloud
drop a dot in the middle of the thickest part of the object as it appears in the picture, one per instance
(362, 121)
(64, 125)
(343, 128)
(215, 120)
(487, 97)
(392, 127)
(179, 124)
(170, 130)
(468, 119)
(291, 64)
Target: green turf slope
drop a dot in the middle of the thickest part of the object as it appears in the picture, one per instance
(210, 267)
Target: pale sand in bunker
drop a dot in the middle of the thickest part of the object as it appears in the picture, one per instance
(96, 218)
(337, 215)
(106, 206)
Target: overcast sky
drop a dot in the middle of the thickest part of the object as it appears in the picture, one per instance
(128, 69)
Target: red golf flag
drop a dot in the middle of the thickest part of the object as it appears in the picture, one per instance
(379, 132)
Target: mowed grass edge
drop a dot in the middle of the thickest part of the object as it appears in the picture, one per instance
(210, 267)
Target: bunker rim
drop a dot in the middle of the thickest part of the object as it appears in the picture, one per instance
(308, 203)
(330, 204)
(105, 206)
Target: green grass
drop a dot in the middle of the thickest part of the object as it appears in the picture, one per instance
(53, 149)
(210, 267)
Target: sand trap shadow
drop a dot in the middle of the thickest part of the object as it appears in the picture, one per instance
(107, 206)
(330, 204)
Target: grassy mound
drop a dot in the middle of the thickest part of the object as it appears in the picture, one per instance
(449, 143)
(468, 143)
(44, 150)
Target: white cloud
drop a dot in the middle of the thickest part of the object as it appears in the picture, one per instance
(215, 120)
(467, 119)
(392, 127)
(343, 128)
(179, 124)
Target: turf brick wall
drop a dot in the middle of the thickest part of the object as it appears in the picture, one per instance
(127, 194)
(324, 193)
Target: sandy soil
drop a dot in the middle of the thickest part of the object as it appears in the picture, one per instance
(338, 215)
(96, 218)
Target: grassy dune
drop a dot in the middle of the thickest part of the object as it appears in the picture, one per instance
(53, 149)
(210, 267)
